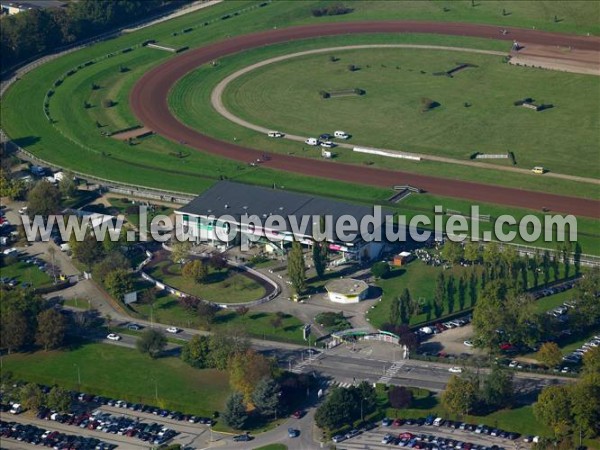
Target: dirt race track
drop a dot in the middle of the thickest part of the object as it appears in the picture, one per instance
(149, 103)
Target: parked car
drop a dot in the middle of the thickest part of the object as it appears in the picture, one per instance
(455, 370)
(275, 134)
(242, 438)
(312, 141)
(292, 432)
(341, 134)
(173, 330)
(113, 337)
(327, 144)
(468, 343)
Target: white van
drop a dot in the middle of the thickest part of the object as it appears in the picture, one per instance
(16, 408)
(438, 422)
(312, 141)
(341, 135)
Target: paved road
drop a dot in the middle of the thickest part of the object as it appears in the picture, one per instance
(149, 102)
(217, 103)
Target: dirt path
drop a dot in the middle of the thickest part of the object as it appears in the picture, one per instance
(217, 103)
(149, 103)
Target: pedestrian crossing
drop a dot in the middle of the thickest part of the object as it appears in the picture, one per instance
(391, 372)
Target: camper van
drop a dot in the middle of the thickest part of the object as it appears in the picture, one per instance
(341, 135)
(538, 170)
(312, 141)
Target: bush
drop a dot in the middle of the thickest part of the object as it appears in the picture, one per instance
(333, 321)
(324, 94)
(108, 103)
(336, 9)
(380, 269)
(427, 104)
(87, 105)
(95, 87)
(123, 69)
(352, 68)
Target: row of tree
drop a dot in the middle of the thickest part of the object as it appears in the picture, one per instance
(296, 265)
(251, 375)
(470, 393)
(343, 406)
(26, 320)
(38, 31)
(573, 408)
(503, 313)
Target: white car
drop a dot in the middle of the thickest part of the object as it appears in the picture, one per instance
(327, 144)
(113, 337)
(275, 134)
(468, 343)
(513, 364)
(173, 330)
(341, 134)
(312, 141)
(455, 370)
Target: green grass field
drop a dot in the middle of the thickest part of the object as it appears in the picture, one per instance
(223, 286)
(75, 142)
(26, 273)
(396, 80)
(126, 374)
(167, 310)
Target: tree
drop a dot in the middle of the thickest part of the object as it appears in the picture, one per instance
(565, 252)
(196, 352)
(553, 408)
(87, 251)
(118, 283)
(43, 200)
(549, 354)
(180, 251)
(473, 252)
(491, 254)
(246, 370)
(339, 408)
(453, 252)
(585, 406)
(148, 296)
(591, 361)
(217, 261)
(114, 260)
(151, 342)
(510, 258)
(462, 291)
(473, 288)
(235, 414)
(31, 397)
(400, 397)
(59, 399)
(15, 329)
(405, 302)
(450, 290)
(319, 255)
(242, 310)
(225, 343)
(297, 268)
(51, 329)
(555, 265)
(267, 397)
(577, 259)
(439, 295)
(546, 267)
(195, 270)
(498, 388)
(380, 269)
(66, 185)
(488, 315)
(460, 395)
(524, 275)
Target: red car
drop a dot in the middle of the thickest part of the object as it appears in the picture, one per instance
(297, 414)
(397, 422)
(406, 435)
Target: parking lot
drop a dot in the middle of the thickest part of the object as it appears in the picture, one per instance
(448, 435)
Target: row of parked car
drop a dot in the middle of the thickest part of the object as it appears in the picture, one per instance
(139, 407)
(33, 435)
(152, 433)
(576, 356)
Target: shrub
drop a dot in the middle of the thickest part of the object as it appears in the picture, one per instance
(427, 104)
(352, 68)
(380, 269)
(95, 87)
(108, 103)
(332, 10)
(123, 69)
(87, 105)
(324, 94)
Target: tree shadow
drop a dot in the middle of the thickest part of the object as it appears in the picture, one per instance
(26, 141)
(259, 315)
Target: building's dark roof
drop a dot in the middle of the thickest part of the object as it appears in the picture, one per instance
(237, 199)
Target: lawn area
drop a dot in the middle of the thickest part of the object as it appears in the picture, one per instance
(419, 278)
(126, 374)
(77, 303)
(131, 211)
(221, 286)
(167, 310)
(395, 81)
(26, 273)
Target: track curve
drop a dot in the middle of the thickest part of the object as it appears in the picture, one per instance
(149, 103)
